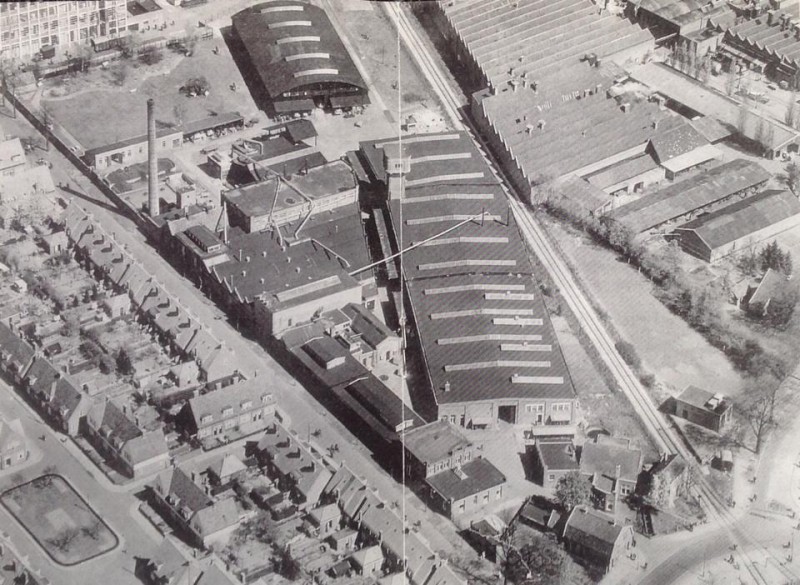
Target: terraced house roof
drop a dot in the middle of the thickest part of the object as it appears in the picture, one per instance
(293, 44)
(485, 331)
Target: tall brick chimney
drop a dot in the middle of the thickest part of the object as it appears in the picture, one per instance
(152, 161)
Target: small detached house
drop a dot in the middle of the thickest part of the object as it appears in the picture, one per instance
(13, 448)
(325, 520)
(553, 460)
(595, 538)
(368, 560)
(466, 488)
(612, 466)
(709, 410)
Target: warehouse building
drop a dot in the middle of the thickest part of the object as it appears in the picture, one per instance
(299, 58)
(499, 40)
(738, 226)
(682, 199)
(278, 201)
(486, 338)
(584, 121)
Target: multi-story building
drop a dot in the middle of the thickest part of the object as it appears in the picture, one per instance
(203, 519)
(237, 410)
(27, 27)
(436, 447)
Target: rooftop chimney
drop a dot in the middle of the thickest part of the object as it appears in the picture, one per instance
(152, 161)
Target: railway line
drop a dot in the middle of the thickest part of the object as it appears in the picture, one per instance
(661, 432)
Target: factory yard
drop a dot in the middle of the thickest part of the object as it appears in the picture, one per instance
(96, 96)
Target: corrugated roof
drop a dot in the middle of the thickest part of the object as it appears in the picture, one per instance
(292, 45)
(743, 217)
(682, 197)
(676, 141)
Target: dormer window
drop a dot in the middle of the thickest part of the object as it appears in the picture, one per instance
(247, 404)
(227, 411)
(206, 419)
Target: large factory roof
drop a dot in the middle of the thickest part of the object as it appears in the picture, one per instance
(259, 265)
(537, 37)
(472, 289)
(680, 198)
(569, 122)
(293, 44)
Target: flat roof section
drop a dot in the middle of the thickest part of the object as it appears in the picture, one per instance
(435, 441)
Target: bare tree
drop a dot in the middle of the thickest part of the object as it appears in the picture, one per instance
(757, 408)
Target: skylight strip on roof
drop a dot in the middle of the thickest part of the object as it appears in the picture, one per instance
(448, 197)
(489, 337)
(495, 364)
(517, 379)
(286, 23)
(307, 56)
(456, 263)
(481, 311)
(421, 138)
(453, 217)
(466, 240)
(516, 321)
(525, 347)
(306, 39)
(441, 157)
(437, 178)
(470, 287)
(509, 296)
(294, 8)
(321, 71)
(299, 291)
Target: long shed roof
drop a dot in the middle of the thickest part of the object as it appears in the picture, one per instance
(293, 44)
(683, 197)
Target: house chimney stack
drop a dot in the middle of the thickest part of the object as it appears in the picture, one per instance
(152, 161)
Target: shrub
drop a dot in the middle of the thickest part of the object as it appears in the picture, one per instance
(647, 380)
(628, 353)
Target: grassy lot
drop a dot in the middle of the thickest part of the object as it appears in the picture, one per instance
(668, 347)
(592, 381)
(60, 521)
(97, 97)
(375, 41)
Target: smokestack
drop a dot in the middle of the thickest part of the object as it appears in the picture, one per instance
(152, 161)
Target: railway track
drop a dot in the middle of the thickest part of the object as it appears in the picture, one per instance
(659, 429)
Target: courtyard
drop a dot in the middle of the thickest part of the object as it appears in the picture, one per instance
(59, 520)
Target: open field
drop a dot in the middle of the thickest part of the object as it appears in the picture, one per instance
(59, 520)
(95, 96)
(668, 347)
(374, 40)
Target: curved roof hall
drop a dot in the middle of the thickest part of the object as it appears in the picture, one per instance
(293, 44)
